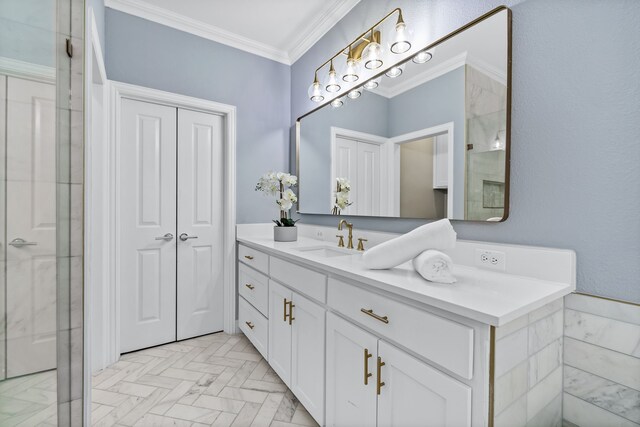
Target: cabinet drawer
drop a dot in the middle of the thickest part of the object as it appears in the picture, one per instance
(256, 259)
(447, 343)
(301, 279)
(254, 325)
(254, 287)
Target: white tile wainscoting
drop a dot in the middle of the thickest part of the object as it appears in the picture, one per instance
(528, 373)
(601, 362)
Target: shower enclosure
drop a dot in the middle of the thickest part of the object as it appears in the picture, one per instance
(41, 190)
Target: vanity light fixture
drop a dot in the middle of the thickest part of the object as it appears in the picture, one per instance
(372, 84)
(332, 83)
(315, 91)
(401, 42)
(363, 50)
(351, 75)
(497, 144)
(337, 103)
(394, 72)
(422, 57)
(355, 93)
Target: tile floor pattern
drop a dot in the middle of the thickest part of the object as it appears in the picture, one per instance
(30, 400)
(214, 380)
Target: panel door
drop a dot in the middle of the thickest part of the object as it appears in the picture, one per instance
(368, 183)
(415, 394)
(441, 161)
(307, 355)
(351, 376)
(31, 227)
(147, 213)
(200, 234)
(279, 331)
(346, 166)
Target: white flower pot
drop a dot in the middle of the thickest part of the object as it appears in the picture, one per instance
(285, 234)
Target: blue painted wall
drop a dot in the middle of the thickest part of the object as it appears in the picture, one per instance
(144, 53)
(575, 180)
(98, 12)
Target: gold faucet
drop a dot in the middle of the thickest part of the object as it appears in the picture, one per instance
(350, 227)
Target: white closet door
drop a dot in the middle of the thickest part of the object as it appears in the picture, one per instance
(346, 166)
(368, 183)
(200, 233)
(31, 216)
(147, 212)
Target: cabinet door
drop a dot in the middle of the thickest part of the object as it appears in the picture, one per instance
(307, 355)
(416, 394)
(351, 376)
(280, 331)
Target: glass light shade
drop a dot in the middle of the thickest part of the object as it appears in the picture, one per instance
(394, 72)
(422, 57)
(351, 73)
(337, 103)
(497, 145)
(372, 84)
(332, 83)
(401, 42)
(355, 93)
(372, 56)
(315, 92)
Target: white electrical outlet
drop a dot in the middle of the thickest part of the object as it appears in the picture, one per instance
(319, 234)
(495, 260)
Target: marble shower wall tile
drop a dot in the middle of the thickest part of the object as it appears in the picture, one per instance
(602, 362)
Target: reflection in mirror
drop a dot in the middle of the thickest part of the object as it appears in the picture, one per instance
(430, 140)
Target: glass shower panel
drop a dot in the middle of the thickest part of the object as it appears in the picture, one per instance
(35, 211)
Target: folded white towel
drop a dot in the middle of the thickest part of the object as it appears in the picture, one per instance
(434, 266)
(436, 235)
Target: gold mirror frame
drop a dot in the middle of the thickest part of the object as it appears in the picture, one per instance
(507, 170)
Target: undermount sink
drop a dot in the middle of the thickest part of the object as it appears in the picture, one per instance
(326, 251)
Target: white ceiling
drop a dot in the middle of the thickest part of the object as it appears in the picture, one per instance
(282, 30)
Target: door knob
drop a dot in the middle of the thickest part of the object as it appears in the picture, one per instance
(167, 237)
(18, 243)
(184, 237)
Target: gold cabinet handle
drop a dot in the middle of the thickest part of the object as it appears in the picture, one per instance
(250, 325)
(249, 257)
(367, 374)
(380, 383)
(250, 286)
(369, 312)
(285, 310)
(291, 305)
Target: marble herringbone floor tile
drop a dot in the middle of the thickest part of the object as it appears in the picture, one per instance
(214, 380)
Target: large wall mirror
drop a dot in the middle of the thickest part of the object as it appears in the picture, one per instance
(432, 142)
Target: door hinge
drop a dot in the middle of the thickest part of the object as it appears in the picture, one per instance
(69, 48)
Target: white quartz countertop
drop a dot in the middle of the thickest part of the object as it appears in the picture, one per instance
(490, 297)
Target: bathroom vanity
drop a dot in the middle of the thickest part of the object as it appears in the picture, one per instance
(386, 347)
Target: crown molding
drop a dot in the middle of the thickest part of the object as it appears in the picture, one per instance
(180, 22)
(315, 30)
(16, 68)
(488, 69)
(430, 74)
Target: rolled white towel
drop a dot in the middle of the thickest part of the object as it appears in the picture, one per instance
(434, 266)
(436, 235)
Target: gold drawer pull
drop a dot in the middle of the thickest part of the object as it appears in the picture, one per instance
(250, 286)
(367, 374)
(251, 326)
(380, 383)
(249, 257)
(285, 310)
(383, 319)
(291, 305)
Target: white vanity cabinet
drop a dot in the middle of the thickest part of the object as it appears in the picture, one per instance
(371, 382)
(296, 342)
